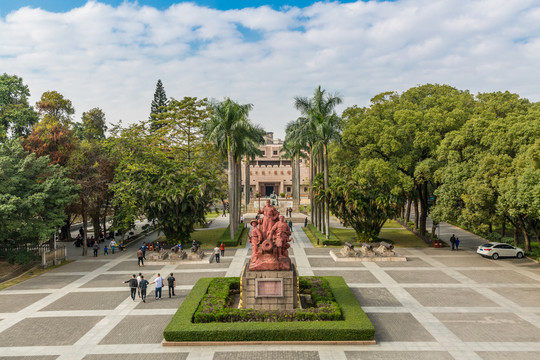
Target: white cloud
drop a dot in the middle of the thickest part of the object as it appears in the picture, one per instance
(111, 57)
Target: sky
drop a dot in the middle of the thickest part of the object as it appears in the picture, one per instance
(110, 54)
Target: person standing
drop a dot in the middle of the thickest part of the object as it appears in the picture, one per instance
(453, 241)
(457, 243)
(133, 285)
(222, 248)
(143, 248)
(139, 284)
(140, 257)
(305, 223)
(96, 248)
(112, 245)
(171, 281)
(143, 285)
(216, 253)
(159, 285)
(290, 225)
(105, 250)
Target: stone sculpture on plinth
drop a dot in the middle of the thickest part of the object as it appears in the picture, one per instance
(270, 281)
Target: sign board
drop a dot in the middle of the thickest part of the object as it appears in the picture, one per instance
(269, 288)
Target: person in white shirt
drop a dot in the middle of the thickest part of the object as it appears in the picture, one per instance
(159, 285)
(112, 245)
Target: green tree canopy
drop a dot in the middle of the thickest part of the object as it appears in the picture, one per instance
(17, 117)
(34, 195)
(159, 103)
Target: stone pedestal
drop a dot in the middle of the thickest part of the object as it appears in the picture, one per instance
(269, 289)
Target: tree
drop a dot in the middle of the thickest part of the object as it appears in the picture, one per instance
(53, 107)
(158, 106)
(325, 127)
(228, 128)
(93, 125)
(53, 139)
(17, 117)
(34, 195)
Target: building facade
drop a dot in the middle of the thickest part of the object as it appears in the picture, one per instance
(271, 172)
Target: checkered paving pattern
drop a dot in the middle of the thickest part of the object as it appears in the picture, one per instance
(438, 305)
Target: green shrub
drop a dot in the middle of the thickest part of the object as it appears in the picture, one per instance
(332, 241)
(21, 257)
(495, 237)
(226, 239)
(354, 326)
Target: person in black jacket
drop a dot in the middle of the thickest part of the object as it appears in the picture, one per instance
(143, 284)
(133, 283)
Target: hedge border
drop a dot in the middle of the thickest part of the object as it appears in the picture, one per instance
(356, 326)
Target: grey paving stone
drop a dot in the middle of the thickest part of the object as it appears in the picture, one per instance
(165, 303)
(411, 262)
(450, 297)
(50, 357)
(350, 276)
(79, 266)
(467, 261)
(329, 262)
(132, 266)
(15, 303)
(48, 331)
(111, 280)
(46, 282)
(267, 355)
(192, 278)
(489, 327)
(505, 355)
(398, 355)
(154, 356)
(318, 251)
(398, 327)
(375, 297)
(498, 277)
(88, 301)
(224, 263)
(521, 296)
(135, 329)
(421, 277)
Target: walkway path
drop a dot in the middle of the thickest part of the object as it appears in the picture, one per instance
(438, 305)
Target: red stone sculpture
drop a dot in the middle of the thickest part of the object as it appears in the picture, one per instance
(270, 247)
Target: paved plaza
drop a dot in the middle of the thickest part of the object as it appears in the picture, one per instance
(440, 304)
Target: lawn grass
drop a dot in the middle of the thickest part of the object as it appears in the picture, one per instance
(398, 237)
(313, 234)
(355, 325)
(208, 238)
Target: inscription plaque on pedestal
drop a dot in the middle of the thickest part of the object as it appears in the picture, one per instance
(269, 287)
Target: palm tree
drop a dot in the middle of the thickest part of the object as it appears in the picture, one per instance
(295, 147)
(226, 128)
(250, 149)
(325, 127)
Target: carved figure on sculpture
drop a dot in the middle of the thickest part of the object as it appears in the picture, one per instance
(281, 233)
(255, 239)
(270, 217)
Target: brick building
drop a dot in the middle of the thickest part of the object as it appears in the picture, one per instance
(272, 172)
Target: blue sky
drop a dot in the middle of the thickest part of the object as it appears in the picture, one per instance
(110, 54)
(7, 6)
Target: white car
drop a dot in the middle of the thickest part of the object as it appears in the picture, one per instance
(496, 250)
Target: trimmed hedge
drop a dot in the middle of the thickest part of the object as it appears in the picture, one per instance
(354, 326)
(332, 241)
(213, 306)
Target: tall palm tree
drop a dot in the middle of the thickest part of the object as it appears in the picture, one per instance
(295, 147)
(250, 149)
(226, 128)
(325, 127)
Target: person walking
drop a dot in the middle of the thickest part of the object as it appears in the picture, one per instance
(159, 285)
(222, 248)
(139, 278)
(216, 253)
(140, 257)
(453, 241)
(171, 281)
(457, 243)
(105, 250)
(305, 223)
(143, 248)
(290, 225)
(96, 248)
(112, 245)
(133, 285)
(143, 285)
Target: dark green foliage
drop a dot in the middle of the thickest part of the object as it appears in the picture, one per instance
(332, 241)
(354, 326)
(16, 116)
(21, 257)
(214, 305)
(225, 238)
(158, 106)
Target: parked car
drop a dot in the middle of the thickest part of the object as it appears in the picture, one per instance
(496, 250)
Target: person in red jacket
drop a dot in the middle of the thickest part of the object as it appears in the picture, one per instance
(222, 247)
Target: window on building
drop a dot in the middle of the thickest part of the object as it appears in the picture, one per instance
(262, 172)
(288, 189)
(305, 188)
(281, 172)
(274, 152)
(263, 153)
(275, 172)
(288, 172)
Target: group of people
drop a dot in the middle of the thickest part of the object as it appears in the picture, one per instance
(138, 284)
(288, 212)
(454, 241)
(111, 246)
(219, 250)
